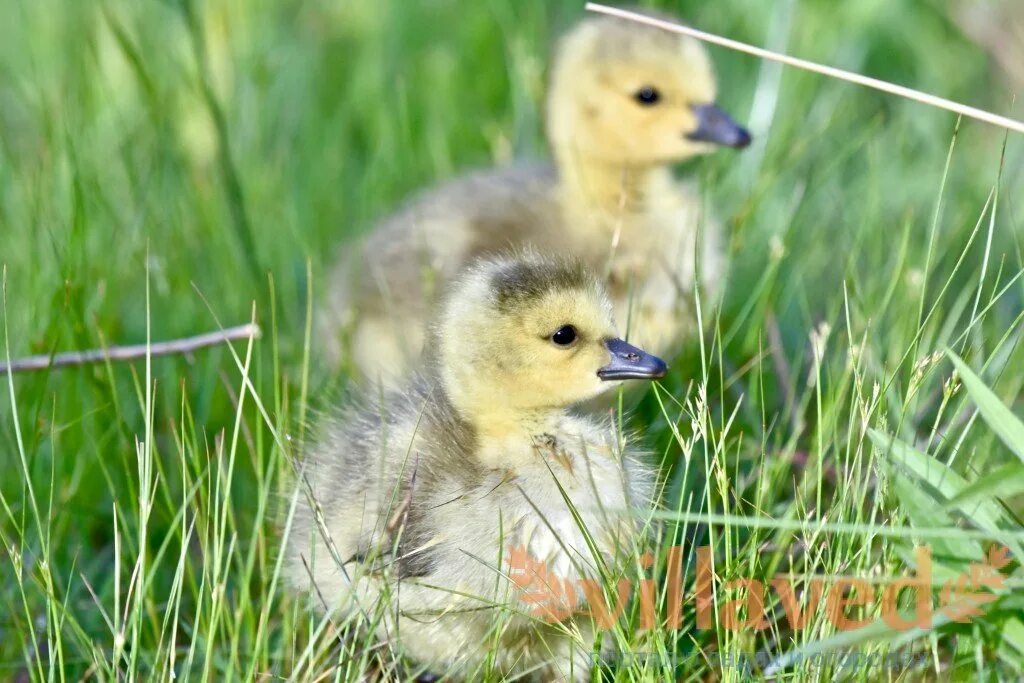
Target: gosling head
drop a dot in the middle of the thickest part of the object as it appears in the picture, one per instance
(630, 94)
(529, 333)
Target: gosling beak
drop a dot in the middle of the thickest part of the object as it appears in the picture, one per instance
(629, 362)
(715, 126)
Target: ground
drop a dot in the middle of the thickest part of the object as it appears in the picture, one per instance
(168, 167)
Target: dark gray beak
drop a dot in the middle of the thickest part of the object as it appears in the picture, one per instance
(629, 362)
(717, 127)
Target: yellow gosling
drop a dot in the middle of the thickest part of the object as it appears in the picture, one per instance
(409, 503)
(625, 101)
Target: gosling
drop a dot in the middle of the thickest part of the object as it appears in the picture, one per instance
(407, 506)
(625, 101)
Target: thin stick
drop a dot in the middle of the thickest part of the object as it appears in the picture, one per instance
(119, 353)
(884, 86)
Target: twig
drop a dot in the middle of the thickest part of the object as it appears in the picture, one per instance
(884, 86)
(119, 353)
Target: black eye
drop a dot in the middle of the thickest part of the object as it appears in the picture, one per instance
(647, 95)
(564, 335)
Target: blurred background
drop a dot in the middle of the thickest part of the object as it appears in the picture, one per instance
(223, 151)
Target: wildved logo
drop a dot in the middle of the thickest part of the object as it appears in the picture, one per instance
(554, 598)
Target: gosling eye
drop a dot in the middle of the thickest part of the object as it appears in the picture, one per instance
(564, 336)
(647, 95)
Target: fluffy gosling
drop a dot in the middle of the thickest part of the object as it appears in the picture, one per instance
(625, 101)
(419, 494)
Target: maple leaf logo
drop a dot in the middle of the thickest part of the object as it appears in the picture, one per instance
(963, 597)
(998, 556)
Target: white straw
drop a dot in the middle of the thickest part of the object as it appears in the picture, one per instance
(884, 86)
(134, 352)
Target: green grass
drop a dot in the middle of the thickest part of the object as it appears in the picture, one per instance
(157, 159)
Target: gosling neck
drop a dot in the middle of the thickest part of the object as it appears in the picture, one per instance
(506, 438)
(615, 189)
(494, 418)
(502, 431)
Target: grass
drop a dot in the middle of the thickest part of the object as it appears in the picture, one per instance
(170, 166)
